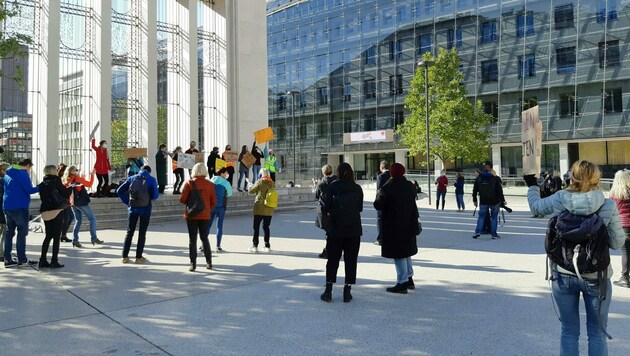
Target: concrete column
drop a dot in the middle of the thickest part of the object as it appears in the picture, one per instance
(149, 11)
(349, 158)
(401, 157)
(333, 160)
(191, 56)
(564, 157)
(438, 166)
(496, 160)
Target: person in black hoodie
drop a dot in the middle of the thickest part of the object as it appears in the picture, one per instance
(399, 220)
(52, 213)
(323, 221)
(344, 204)
(258, 154)
(212, 161)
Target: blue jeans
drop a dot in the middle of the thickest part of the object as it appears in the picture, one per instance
(241, 178)
(494, 218)
(438, 194)
(220, 213)
(17, 219)
(566, 294)
(79, 211)
(460, 201)
(255, 171)
(404, 269)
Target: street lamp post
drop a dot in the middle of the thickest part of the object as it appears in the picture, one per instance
(426, 64)
(293, 93)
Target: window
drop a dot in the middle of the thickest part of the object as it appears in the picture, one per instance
(424, 43)
(563, 16)
(302, 99)
(303, 130)
(395, 49)
(370, 55)
(565, 60)
(525, 24)
(528, 103)
(489, 31)
(454, 38)
(282, 102)
(396, 84)
(322, 94)
(489, 71)
(612, 100)
(303, 161)
(369, 88)
(491, 108)
(347, 92)
(347, 125)
(609, 54)
(398, 118)
(368, 122)
(568, 105)
(322, 128)
(281, 131)
(606, 13)
(527, 66)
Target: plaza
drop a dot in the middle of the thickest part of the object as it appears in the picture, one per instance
(472, 297)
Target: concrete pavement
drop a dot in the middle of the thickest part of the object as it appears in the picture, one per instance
(472, 297)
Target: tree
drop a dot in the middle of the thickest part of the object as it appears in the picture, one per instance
(12, 45)
(162, 124)
(457, 127)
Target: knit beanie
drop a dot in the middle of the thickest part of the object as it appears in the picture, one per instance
(397, 170)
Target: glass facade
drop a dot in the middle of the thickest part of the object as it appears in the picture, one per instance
(352, 63)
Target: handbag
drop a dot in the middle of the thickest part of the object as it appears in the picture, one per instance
(194, 203)
(59, 201)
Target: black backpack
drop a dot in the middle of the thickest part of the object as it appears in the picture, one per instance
(80, 198)
(139, 193)
(194, 203)
(487, 189)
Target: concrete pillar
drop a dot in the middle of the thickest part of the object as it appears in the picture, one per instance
(401, 157)
(564, 157)
(438, 166)
(496, 160)
(333, 160)
(349, 158)
(191, 56)
(149, 11)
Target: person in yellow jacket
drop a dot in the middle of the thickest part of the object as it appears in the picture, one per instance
(262, 212)
(271, 163)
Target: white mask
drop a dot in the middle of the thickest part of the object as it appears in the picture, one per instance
(105, 145)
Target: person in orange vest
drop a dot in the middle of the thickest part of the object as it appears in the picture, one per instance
(230, 164)
(178, 172)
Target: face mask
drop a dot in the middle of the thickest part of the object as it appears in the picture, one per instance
(105, 145)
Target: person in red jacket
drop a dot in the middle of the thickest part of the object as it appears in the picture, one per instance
(442, 183)
(102, 166)
(620, 193)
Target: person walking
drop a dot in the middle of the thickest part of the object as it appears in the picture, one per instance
(102, 165)
(620, 193)
(15, 203)
(243, 170)
(344, 204)
(223, 190)
(54, 198)
(212, 161)
(381, 179)
(137, 192)
(160, 168)
(68, 215)
(80, 201)
(3, 220)
(178, 172)
(490, 192)
(262, 212)
(192, 149)
(442, 184)
(582, 197)
(321, 192)
(198, 224)
(258, 154)
(396, 201)
(459, 192)
(271, 163)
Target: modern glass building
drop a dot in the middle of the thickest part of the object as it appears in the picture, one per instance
(339, 71)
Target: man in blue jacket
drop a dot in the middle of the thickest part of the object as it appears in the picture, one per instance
(138, 199)
(16, 200)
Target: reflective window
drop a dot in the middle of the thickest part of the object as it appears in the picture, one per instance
(370, 55)
(609, 54)
(491, 108)
(454, 38)
(369, 88)
(395, 49)
(612, 100)
(527, 66)
(568, 105)
(489, 71)
(369, 122)
(396, 84)
(563, 16)
(525, 24)
(347, 92)
(424, 43)
(322, 94)
(565, 60)
(489, 31)
(606, 10)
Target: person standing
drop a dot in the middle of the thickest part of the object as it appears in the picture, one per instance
(212, 161)
(15, 203)
(262, 212)
(102, 165)
(178, 172)
(258, 154)
(145, 187)
(442, 184)
(243, 170)
(490, 192)
(191, 151)
(344, 204)
(198, 224)
(68, 216)
(160, 168)
(271, 163)
(3, 220)
(396, 201)
(134, 165)
(459, 192)
(381, 179)
(620, 193)
(230, 164)
(321, 192)
(80, 202)
(223, 190)
(582, 197)
(51, 191)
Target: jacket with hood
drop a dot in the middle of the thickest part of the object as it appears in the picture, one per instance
(101, 166)
(261, 188)
(580, 204)
(322, 220)
(123, 192)
(17, 189)
(49, 184)
(222, 190)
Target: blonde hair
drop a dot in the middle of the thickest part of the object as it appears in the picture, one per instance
(585, 176)
(621, 185)
(67, 174)
(264, 173)
(50, 170)
(199, 170)
(327, 170)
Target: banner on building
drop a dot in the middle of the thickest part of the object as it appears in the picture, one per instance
(136, 152)
(185, 160)
(531, 139)
(264, 135)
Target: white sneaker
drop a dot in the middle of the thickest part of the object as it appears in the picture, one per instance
(267, 249)
(253, 249)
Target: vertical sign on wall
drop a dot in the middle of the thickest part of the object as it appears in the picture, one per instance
(531, 138)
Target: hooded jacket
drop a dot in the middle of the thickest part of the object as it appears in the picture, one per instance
(49, 184)
(17, 189)
(580, 204)
(222, 190)
(261, 188)
(123, 192)
(101, 166)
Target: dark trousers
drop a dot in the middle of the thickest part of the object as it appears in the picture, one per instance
(198, 227)
(68, 217)
(335, 246)
(625, 254)
(161, 188)
(53, 232)
(266, 220)
(103, 181)
(142, 233)
(273, 176)
(179, 179)
(379, 227)
(231, 171)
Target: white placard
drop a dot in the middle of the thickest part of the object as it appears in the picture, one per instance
(368, 136)
(531, 138)
(185, 160)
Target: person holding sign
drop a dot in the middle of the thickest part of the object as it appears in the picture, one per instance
(191, 151)
(102, 165)
(178, 172)
(271, 163)
(228, 156)
(243, 170)
(258, 155)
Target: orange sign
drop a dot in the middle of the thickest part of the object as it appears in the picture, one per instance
(264, 135)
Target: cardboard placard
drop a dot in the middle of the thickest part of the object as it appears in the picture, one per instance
(185, 160)
(218, 164)
(136, 152)
(264, 135)
(198, 157)
(248, 160)
(531, 139)
(230, 156)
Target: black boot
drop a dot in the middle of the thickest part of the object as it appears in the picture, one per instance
(43, 263)
(56, 264)
(624, 281)
(324, 254)
(410, 284)
(347, 297)
(327, 295)
(398, 288)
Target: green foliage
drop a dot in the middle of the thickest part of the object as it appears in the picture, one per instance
(162, 124)
(457, 128)
(12, 45)
(119, 141)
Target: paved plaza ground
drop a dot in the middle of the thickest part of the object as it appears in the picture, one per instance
(472, 297)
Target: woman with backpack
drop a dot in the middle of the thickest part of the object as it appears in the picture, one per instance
(263, 209)
(80, 201)
(54, 197)
(620, 193)
(344, 204)
(198, 187)
(582, 198)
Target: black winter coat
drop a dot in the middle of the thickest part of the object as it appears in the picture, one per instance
(46, 188)
(322, 221)
(350, 226)
(399, 218)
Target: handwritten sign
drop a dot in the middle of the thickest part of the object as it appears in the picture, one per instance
(531, 138)
(185, 160)
(218, 164)
(136, 152)
(248, 160)
(230, 156)
(264, 135)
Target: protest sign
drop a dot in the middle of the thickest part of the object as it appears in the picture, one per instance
(136, 152)
(248, 160)
(185, 160)
(264, 135)
(531, 139)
